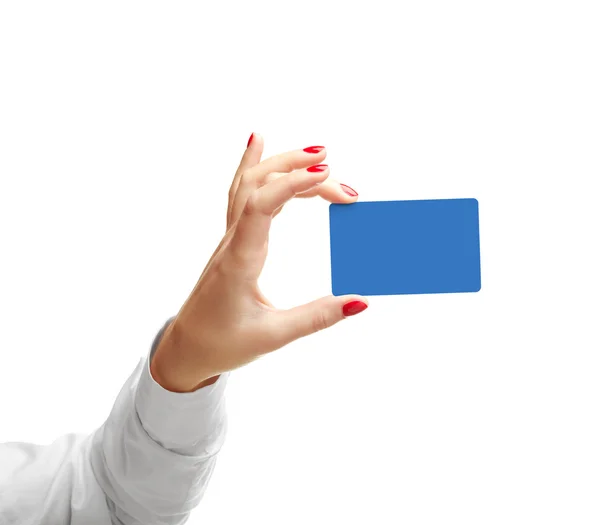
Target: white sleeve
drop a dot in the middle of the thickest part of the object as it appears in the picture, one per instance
(149, 463)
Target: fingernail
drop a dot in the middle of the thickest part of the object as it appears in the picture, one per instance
(317, 168)
(250, 141)
(354, 307)
(348, 190)
(314, 149)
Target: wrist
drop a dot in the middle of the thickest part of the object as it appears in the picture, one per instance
(171, 370)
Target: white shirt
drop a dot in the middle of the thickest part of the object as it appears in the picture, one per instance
(149, 463)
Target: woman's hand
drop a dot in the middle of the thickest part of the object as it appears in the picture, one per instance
(227, 322)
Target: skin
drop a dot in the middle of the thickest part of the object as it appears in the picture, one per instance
(227, 322)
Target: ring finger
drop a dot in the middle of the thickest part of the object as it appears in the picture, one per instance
(330, 190)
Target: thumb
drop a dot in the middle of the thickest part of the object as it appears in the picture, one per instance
(315, 316)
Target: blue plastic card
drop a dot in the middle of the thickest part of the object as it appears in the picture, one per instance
(405, 247)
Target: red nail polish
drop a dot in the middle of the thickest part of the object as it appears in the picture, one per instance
(348, 190)
(250, 140)
(354, 307)
(317, 168)
(314, 149)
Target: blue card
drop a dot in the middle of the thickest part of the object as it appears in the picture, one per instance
(405, 247)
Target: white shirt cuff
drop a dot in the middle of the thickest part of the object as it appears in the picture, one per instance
(190, 423)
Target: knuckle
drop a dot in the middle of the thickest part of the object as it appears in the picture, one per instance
(320, 321)
(251, 205)
(235, 262)
(272, 177)
(296, 179)
(242, 181)
(220, 267)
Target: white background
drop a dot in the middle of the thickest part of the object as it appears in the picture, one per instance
(121, 124)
